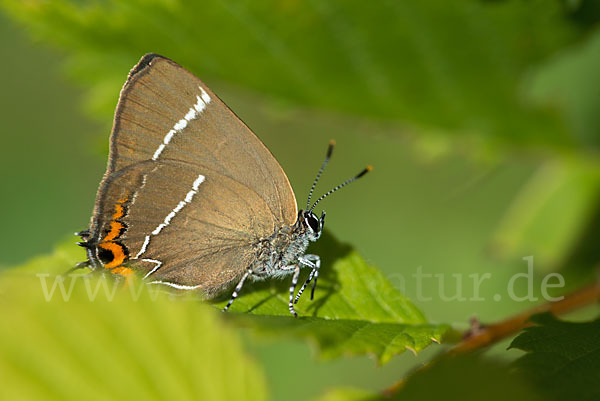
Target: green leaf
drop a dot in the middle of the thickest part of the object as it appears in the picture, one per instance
(545, 220)
(563, 358)
(355, 311)
(132, 345)
(466, 378)
(435, 65)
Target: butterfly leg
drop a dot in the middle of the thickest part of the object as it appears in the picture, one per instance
(292, 288)
(308, 280)
(313, 261)
(238, 288)
(78, 266)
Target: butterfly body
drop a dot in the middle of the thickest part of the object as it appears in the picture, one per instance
(285, 248)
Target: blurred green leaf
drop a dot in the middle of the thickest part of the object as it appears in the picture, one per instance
(431, 64)
(570, 83)
(545, 220)
(563, 357)
(131, 345)
(356, 310)
(347, 394)
(60, 261)
(462, 378)
(583, 12)
(494, 74)
(465, 378)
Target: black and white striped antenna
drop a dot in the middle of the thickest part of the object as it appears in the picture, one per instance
(342, 185)
(327, 157)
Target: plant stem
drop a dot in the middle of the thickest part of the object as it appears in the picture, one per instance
(492, 333)
(485, 335)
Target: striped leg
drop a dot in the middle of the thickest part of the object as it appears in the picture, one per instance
(313, 261)
(312, 290)
(308, 280)
(292, 288)
(238, 288)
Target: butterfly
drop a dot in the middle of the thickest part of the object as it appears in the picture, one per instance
(191, 198)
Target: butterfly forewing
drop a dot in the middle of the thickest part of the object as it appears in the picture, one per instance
(204, 132)
(210, 188)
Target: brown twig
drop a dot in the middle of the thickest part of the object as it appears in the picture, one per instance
(485, 335)
(490, 334)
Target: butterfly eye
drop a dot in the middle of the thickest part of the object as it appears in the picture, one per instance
(313, 223)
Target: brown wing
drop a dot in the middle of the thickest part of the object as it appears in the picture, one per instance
(189, 188)
(165, 112)
(184, 224)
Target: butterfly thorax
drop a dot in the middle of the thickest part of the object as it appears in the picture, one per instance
(283, 249)
(277, 254)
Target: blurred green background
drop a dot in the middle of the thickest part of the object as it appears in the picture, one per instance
(481, 120)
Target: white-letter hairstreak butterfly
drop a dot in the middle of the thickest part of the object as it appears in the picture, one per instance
(191, 198)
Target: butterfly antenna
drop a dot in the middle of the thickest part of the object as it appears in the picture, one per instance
(327, 157)
(342, 185)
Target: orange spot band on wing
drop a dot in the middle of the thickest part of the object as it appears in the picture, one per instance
(117, 251)
(115, 226)
(115, 230)
(119, 209)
